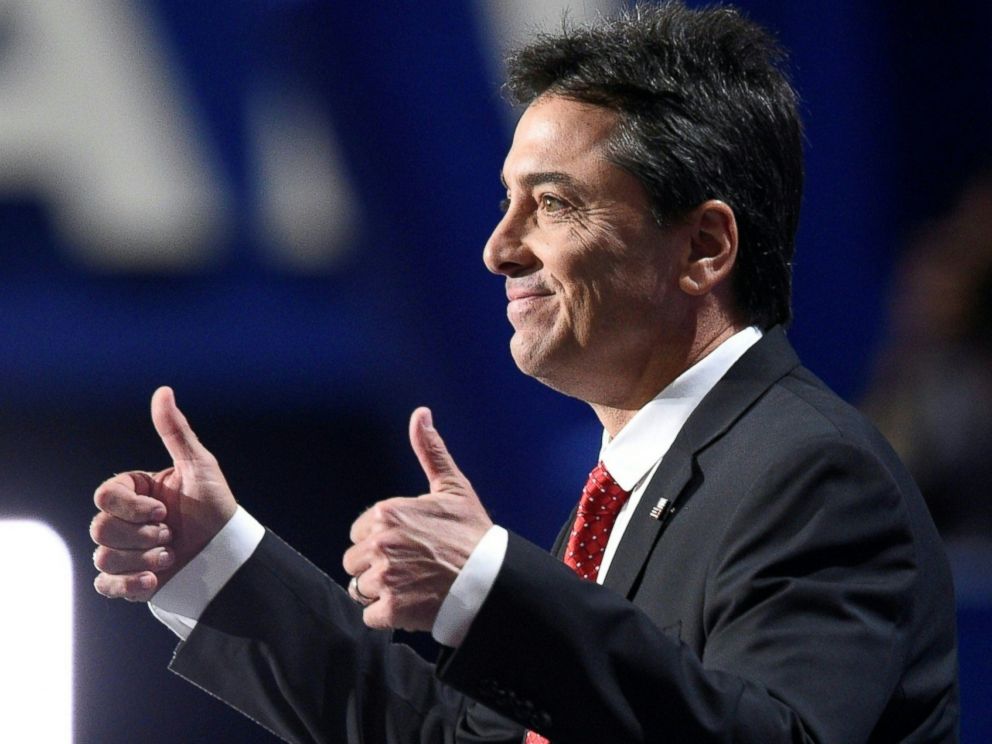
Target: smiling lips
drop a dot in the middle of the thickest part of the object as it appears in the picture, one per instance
(523, 297)
(516, 292)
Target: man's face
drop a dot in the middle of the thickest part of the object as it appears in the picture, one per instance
(591, 278)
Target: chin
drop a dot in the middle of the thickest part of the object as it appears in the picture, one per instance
(530, 351)
(544, 361)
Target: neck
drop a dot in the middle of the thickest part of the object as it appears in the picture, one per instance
(614, 417)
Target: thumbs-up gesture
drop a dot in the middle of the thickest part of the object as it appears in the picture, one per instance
(408, 551)
(152, 524)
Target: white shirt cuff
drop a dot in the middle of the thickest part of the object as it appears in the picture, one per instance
(470, 588)
(186, 595)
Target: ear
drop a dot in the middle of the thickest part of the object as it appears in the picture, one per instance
(712, 250)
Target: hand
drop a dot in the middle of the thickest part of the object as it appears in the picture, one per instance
(150, 525)
(408, 551)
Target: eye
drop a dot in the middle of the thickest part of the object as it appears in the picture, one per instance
(550, 203)
(504, 205)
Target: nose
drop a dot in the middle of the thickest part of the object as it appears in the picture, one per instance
(506, 251)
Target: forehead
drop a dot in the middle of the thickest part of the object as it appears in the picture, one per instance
(559, 132)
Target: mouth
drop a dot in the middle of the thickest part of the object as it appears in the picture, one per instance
(516, 293)
(528, 297)
(523, 302)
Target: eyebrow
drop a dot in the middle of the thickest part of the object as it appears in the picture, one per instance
(531, 180)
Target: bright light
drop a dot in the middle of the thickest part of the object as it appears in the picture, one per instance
(35, 634)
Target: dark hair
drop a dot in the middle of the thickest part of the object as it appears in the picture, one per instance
(704, 112)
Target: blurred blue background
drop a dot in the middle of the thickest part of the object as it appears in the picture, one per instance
(278, 207)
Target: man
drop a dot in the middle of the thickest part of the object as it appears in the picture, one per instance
(771, 574)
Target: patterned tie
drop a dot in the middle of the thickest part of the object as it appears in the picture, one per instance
(601, 501)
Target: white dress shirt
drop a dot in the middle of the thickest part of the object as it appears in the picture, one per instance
(631, 458)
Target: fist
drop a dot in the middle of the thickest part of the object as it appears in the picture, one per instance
(150, 524)
(408, 551)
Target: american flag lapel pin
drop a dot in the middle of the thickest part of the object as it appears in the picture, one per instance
(661, 510)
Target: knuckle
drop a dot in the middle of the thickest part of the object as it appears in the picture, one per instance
(112, 503)
(105, 586)
(379, 614)
(452, 482)
(357, 530)
(381, 545)
(383, 512)
(351, 561)
(395, 546)
(100, 496)
(148, 536)
(372, 617)
(390, 513)
(97, 529)
(375, 543)
(437, 452)
(370, 580)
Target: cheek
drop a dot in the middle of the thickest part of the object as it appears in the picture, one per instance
(595, 272)
(576, 287)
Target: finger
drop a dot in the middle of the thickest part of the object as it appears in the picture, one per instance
(116, 533)
(380, 516)
(133, 587)
(369, 583)
(358, 594)
(380, 614)
(431, 452)
(358, 558)
(118, 498)
(139, 481)
(174, 430)
(112, 561)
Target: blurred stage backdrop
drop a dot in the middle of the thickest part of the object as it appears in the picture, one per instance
(278, 207)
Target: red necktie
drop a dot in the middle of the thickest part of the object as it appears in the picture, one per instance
(601, 501)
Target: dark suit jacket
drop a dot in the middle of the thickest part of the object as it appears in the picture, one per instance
(797, 593)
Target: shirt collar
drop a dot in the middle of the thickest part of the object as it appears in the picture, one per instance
(633, 452)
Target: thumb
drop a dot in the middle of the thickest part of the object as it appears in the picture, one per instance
(174, 430)
(435, 460)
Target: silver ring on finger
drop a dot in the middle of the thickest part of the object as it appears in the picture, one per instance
(356, 594)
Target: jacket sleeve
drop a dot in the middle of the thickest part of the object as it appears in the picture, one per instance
(805, 611)
(286, 646)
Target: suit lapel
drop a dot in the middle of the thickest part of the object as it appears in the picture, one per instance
(558, 550)
(762, 365)
(642, 531)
